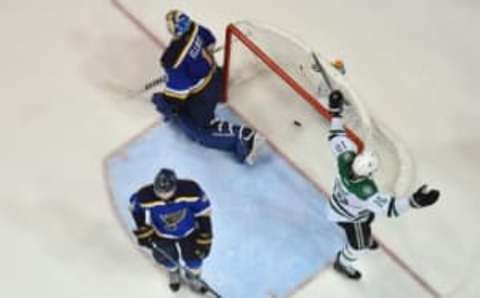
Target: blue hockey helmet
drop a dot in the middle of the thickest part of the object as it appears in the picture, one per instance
(177, 22)
(165, 183)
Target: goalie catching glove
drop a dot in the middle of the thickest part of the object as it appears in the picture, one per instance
(424, 197)
(144, 235)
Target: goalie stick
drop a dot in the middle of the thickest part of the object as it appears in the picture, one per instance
(210, 290)
(130, 93)
(157, 81)
(318, 67)
(120, 89)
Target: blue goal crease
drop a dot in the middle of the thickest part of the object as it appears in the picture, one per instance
(270, 231)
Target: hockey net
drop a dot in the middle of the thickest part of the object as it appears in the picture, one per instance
(271, 84)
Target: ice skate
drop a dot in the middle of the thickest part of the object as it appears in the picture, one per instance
(174, 280)
(347, 271)
(195, 283)
(373, 244)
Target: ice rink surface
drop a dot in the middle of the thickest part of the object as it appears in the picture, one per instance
(252, 212)
(415, 63)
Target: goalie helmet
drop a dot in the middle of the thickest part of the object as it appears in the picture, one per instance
(177, 22)
(365, 164)
(165, 184)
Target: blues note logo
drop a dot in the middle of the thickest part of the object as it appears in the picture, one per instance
(172, 220)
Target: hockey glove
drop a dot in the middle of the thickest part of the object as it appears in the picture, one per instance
(203, 236)
(203, 243)
(335, 103)
(424, 197)
(144, 235)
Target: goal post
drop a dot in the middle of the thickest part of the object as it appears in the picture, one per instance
(233, 31)
(269, 81)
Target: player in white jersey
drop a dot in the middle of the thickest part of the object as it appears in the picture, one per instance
(356, 199)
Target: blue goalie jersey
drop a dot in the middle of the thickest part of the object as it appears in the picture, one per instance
(188, 63)
(174, 218)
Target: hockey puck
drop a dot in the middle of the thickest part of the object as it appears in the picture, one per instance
(297, 123)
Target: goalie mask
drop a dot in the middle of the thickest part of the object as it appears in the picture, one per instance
(365, 164)
(177, 22)
(165, 184)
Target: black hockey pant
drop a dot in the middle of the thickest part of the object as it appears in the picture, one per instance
(359, 234)
(185, 247)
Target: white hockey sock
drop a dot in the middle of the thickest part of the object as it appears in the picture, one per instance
(195, 271)
(348, 255)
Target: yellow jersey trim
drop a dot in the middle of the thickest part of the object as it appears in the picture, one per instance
(204, 241)
(186, 199)
(152, 204)
(205, 82)
(176, 200)
(187, 47)
(179, 96)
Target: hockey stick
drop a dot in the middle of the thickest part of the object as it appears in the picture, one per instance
(185, 269)
(318, 67)
(160, 80)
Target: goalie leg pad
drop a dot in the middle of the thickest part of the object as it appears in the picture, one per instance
(221, 135)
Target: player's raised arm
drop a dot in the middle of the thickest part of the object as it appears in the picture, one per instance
(390, 206)
(337, 137)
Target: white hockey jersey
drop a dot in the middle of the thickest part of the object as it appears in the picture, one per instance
(355, 199)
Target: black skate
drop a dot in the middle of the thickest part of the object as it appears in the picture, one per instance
(174, 280)
(347, 271)
(373, 244)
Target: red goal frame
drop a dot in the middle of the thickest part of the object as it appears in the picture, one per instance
(231, 31)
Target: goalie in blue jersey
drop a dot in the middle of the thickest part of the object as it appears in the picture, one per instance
(194, 87)
(172, 218)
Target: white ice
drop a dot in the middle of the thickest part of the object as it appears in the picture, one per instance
(415, 62)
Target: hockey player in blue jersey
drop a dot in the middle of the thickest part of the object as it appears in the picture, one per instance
(173, 213)
(194, 87)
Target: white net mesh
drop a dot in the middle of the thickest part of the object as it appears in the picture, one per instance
(257, 92)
